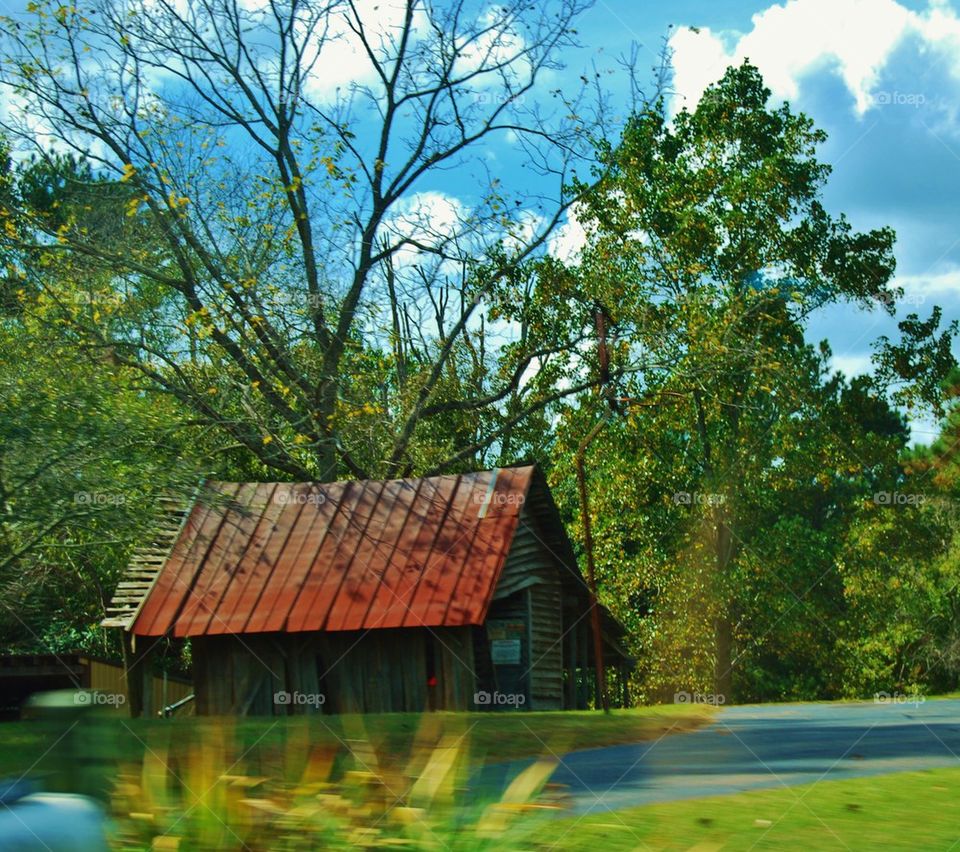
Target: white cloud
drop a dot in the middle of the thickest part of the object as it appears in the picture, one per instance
(566, 242)
(442, 221)
(853, 38)
(498, 42)
(342, 59)
(432, 218)
(932, 286)
(699, 58)
(851, 365)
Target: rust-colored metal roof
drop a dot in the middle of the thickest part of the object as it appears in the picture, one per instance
(274, 556)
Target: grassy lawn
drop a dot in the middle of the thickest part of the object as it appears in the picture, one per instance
(495, 737)
(916, 810)
(261, 743)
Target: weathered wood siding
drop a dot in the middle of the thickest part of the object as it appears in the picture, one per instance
(531, 579)
(546, 672)
(383, 671)
(510, 679)
(376, 671)
(238, 675)
(111, 678)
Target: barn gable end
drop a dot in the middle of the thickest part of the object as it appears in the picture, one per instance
(530, 589)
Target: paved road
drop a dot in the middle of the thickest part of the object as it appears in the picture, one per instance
(766, 746)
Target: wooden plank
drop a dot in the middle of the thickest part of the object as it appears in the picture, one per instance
(501, 522)
(164, 537)
(546, 685)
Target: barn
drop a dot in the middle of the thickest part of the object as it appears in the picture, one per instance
(450, 592)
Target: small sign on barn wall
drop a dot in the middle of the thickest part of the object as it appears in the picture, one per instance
(506, 641)
(505, 652)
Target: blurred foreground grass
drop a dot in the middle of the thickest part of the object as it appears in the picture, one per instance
(494, 737)
(400, 781)
(411, 782)
(910, 810)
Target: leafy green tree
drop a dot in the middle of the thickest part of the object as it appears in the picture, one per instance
(735, 456)
(83, 461)
(84, 452)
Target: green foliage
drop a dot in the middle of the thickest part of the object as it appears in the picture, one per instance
(84, 452)
(150, 333)
(733, 487)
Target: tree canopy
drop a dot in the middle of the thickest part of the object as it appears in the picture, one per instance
(314, 295)
(736, 464)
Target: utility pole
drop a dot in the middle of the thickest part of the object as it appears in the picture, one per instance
(602, 698)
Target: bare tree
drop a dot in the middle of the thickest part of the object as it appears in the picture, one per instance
(323, 300)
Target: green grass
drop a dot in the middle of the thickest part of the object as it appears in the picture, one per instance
(915, 810)
(316, 782)
(265, 742)
(495, 737)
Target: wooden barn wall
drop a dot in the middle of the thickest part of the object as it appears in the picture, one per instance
(376, 671)
(457, 680)
(546, 648)
(531, 572)
(175, 690)
(510, 679)
(238, 675)
(383, 671)
(111, 678)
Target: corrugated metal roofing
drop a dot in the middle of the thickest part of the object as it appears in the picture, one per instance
(263, 557)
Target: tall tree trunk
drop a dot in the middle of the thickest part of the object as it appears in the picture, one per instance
(723, 637)
(326, 450)
(723, 626)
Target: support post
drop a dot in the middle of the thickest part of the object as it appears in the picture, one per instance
(138, 672)
(571, 660)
